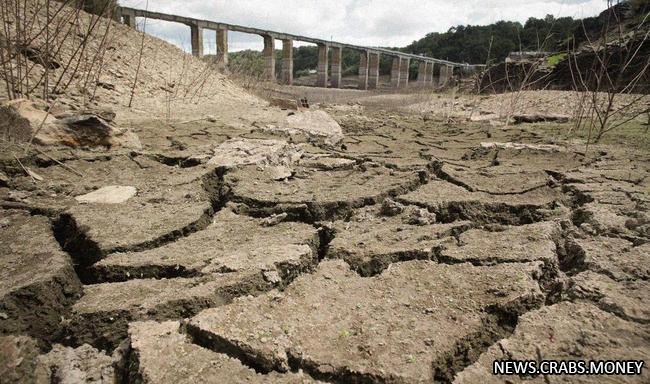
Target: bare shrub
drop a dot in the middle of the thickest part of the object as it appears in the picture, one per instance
(608, 73)
(36, 53)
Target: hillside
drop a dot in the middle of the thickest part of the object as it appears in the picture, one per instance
(94, 62)
(480, 44)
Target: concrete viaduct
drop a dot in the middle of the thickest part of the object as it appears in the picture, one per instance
(369, 56)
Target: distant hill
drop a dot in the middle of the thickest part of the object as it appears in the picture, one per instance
(478, 44)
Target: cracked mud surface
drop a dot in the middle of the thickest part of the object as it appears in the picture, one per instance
(413, 252)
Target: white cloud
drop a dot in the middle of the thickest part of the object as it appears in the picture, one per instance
(362, 22)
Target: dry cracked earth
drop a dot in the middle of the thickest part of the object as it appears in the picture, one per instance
(411, 253)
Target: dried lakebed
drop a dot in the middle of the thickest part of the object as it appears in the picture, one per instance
(411, 253)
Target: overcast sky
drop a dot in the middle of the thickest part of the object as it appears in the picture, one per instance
(387, 23)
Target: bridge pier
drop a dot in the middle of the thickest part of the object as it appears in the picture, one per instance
(323, 59)
(422, 74)
(373, 70)
(446, 73)
(337, 57)
(404, 72)
(128, 17)
(428, 78)
(363, 70)
(395, 72)
(222, 47)
(197, 40)
(287, 62)
(269, 57)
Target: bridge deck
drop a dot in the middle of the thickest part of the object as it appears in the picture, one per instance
(207, 24)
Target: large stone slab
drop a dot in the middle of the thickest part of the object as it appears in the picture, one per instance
(393, 327)
(627, 299)
(101, 316)
(565, 331)
(319, 126)
(232, 243)
(25, 120)
(318, 195)
(37, 279)
(531, 242)
(370, 241)
(236, 152)
(451, 202)
(165, 355)
(112, 194)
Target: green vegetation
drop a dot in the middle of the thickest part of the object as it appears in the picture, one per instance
(634, 134)
(97, 7)
(473, 44)
(553, 60)
(478, 44)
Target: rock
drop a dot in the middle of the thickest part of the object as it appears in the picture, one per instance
(484, 117)
(84, 364)
(348, 328)
(280, 172)
(235, 152)
(389, 207)
(566, 332)
(37, 279)
(112, 194)
(20, 119)
(105, 85)
(538, 118)
(326, 162)
(522, 146)
(419, 216)
(4, 179)
(106, 113)
(88, 130)
(36, 55)
(284, 103)
(18, 360)
(317, 125)
(24, 119)
(274, 219)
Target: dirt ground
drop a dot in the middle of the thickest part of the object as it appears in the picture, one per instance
(404, 241)
(410, 252)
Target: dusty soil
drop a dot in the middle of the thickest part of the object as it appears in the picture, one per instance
(408, 253)
(413, 248)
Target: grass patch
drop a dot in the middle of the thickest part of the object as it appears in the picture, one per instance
(554, 60)
(634, 134)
